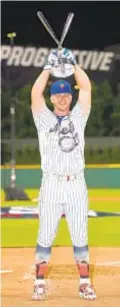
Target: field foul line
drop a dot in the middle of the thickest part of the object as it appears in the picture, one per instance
(110, 263)
(29, 275)
(5, 271)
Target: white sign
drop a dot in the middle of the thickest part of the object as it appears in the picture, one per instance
(36, 57)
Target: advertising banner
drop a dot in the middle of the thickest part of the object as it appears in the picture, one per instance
(20, 65)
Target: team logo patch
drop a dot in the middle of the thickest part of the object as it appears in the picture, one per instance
(62, 85)
(68, 139)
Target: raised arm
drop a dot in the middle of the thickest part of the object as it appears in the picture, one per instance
(82, 81)
(37, 98)
(84, 85)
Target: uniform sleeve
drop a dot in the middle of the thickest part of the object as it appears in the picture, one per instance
(80, 114)
(42, 119)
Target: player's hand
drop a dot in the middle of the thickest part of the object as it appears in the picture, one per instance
(52, 60)
(66, 54)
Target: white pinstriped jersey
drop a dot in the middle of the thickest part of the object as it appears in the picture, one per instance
(53, 159)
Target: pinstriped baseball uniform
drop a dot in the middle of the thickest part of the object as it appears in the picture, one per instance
(62, 154)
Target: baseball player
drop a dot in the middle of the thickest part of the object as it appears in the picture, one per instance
(63, 188)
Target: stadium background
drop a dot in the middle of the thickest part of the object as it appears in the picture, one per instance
(19, 217)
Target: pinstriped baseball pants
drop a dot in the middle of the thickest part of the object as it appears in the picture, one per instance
(58, 196)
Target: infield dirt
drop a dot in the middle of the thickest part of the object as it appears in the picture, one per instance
(62, 279)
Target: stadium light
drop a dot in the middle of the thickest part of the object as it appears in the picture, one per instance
(11, 36)
(12, 192)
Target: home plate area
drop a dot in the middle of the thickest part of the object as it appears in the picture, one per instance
(62, 278)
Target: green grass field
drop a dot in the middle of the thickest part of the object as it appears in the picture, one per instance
(103, 231)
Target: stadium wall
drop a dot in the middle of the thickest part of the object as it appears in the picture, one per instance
(96, 176)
